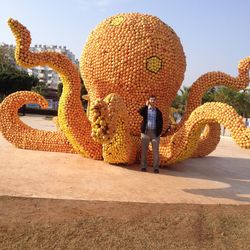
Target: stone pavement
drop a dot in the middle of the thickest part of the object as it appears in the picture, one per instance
(221, 178)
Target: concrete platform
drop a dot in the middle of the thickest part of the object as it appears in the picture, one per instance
(221, 178)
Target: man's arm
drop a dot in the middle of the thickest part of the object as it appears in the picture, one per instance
(160, 121)
(143, 110)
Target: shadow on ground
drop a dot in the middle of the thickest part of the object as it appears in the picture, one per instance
(234, 172)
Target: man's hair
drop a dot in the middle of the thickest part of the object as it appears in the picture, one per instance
(152, 96)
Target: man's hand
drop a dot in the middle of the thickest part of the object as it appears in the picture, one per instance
(147, 102)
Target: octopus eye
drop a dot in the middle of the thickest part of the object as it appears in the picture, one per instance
(117, 20)
(153, 64)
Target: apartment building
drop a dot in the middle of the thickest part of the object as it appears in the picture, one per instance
(43, 73)
(46, 74)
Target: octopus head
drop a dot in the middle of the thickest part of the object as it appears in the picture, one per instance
(134, 55)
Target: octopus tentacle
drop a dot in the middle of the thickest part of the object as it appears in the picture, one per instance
(111, 128)
(172, 151)
(209, 140)
(22, 135)
(211, 79)
(72, 119)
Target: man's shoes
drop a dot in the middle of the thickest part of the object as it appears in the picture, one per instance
(156, 171)
(143, 169)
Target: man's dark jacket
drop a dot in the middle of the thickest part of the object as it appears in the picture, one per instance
(159, 121)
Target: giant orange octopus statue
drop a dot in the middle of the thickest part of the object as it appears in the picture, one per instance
(127, 58)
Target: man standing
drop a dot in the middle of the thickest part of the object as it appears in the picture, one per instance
(151, 129)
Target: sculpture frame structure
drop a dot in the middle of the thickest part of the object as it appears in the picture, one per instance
(127, 58)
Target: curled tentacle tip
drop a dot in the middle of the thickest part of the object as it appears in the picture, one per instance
(12, 22)
(44, 106)
(34, 97)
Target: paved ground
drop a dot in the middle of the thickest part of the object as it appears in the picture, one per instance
(221, 178)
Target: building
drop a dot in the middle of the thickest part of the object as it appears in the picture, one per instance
(43, 73)
(8, 54)
(46, 74)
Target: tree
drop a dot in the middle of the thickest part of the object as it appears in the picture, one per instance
(240, 101)
(7, 60)
(12, 78)
(243, 104)
(209, 95)
(40, 88)
(180, 100)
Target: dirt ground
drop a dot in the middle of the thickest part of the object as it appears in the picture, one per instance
(62, 201)
(29, 223)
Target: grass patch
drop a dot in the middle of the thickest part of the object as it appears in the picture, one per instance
(62, 224)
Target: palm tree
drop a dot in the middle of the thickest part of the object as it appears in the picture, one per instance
(180, 100)
(240, 101)
(209, 95)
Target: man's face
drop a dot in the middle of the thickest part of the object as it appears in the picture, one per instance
(152, 101)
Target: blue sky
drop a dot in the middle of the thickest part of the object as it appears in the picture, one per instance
(215, 34)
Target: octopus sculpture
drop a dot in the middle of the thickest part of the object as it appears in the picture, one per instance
(127, 58)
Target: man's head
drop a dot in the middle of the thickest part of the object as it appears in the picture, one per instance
(152, 101)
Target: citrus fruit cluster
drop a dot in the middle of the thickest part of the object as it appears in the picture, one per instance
(22, 135)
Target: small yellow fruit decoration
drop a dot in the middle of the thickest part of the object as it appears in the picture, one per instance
(127, 58)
